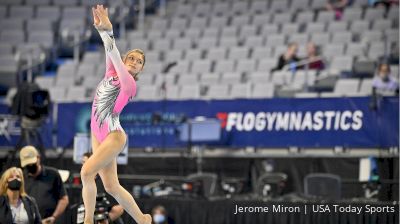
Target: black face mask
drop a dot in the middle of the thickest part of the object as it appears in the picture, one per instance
(32, 168)
(14, 185)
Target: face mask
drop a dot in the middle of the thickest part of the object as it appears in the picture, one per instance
(31, 168)
(158, 218)
(14, 185)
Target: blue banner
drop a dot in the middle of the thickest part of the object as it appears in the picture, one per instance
(318, 122)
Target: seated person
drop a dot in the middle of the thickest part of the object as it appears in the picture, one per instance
(160, 215)
(384, 82)
(290, 56)
(312, 55)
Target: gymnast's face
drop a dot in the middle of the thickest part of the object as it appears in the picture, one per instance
(134, 63)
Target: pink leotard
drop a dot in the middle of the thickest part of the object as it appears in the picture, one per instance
(113, 92)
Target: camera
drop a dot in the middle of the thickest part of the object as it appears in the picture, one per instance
(102, 208)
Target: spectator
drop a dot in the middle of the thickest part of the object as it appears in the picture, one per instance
(160, 215)
(314, 57)
(44, 184)
(384, 82)
(337, 6)
(114, 211)
(15, 205)
(289, 57)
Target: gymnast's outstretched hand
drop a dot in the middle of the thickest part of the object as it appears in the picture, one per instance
(100, 18)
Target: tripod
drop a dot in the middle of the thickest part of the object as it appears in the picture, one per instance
(30, 135)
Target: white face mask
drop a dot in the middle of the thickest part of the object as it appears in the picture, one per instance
(158, 218)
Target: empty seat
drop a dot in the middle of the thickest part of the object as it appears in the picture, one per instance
(344, 87)
(161, 44)
(240, 20)
(217, 53)
(238, 53)
(240, 91)
(356, 49)
(320, 38)
(220, 8)
(218, 21)
(366, 87)
(247, 30)
(193, 54)
(261, 53)
(44, 38)
(65, 3)
(182, 67)
(12, 37)
(198, 22)
(359, 26)
(148, 93)
(239, 7)
(266, 64)
(201, 66)
(228, 41)
(192, 33)
(282, 18)
(342, 63)
(258, 6)
(202, 9)
(275, 40)
(231, 78)
(332, 50)
(188, 79)
(39, 25)
(290, 28)
(280, 5)
(77, 94)
(218, 92)
(229, 31)
(210, 78)
(190, 92)
(318, 4)
(371, 36)
(341, 37)
(211, 32)
(182, 43)
(263, 90)
(374, 13)
(306, 17)
(12, 24)
(269, 29)
(300, 38)
(159, 23)
(325, 16)
(57, 94)
(178, 23)
(337, 26)
(45, 82)
(207, 42)
(172, 92)
(173, 55)
(51, 13)
(315, 27)
(224, 66)
(153, 67)
(381, 24)
(23, 12)
(37, 2)
(74, 12)
(254, 41)
(300, 5)
(351, 14)
(246, 65)
(261, 19)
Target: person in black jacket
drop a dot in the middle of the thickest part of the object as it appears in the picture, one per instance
(15, 205)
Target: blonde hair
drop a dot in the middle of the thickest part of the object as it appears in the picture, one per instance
(141, 52)
(4, 181)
